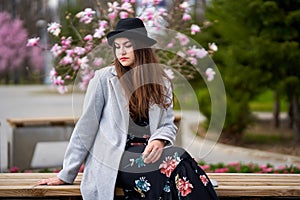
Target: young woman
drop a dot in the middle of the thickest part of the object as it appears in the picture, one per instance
(126, 131)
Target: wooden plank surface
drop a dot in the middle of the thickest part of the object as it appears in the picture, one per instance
(50, 121)
(230, 185)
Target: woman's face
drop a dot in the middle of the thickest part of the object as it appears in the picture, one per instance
(124, 51)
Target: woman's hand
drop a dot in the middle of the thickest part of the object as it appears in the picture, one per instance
(51, 181)
(153, 151)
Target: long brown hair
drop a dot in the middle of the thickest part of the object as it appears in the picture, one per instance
(143, 83)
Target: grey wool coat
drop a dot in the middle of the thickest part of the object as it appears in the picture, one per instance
(99, 137)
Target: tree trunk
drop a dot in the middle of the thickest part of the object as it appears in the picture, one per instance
(296, 117)
(290, 113)
(276, 110)
(6, 76)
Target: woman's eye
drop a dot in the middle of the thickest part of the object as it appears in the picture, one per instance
(128, 46)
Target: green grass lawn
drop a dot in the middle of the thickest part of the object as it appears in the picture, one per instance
(265, 103)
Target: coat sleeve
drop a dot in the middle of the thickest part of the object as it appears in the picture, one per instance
(85, 130)
(166, 129)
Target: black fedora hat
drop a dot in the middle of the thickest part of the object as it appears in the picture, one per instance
(132, 28)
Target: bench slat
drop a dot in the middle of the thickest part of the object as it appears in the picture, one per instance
(39, 191)
(20, 122)
(258, 191)
(230, 185)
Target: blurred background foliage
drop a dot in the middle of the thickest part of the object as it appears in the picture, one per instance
(258, 58)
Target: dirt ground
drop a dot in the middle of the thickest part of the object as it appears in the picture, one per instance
(263, 135)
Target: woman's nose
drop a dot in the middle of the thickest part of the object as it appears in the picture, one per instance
(123, 51)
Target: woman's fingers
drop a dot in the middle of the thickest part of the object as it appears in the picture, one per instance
(51, 181)
(155, 155)
(153, 151)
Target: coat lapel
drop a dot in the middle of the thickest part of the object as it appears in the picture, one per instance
(121, 103)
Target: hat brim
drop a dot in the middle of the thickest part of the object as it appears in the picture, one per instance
(131, 34)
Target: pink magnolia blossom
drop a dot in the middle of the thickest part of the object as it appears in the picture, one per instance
(210, 74)
(195, 29)
(183, 39)
(162, 11)
(86, 77)
(70, 52)
(53, 74)
(170, 73)
(128, 1)
(127, 7)
(123, 15)
(197, 52)
(86, 16)
(156, 2)
(58, 80)
(88, 47)
(66, 42)
(66, 60)
(185, 5)
(186, 17)
(88, 37)
(62, 89)
(79, 50)
(192, 60)
(213, 46)
(83, 62)
(149, 13)
(56, 50)
(170, 45)
(54, 28)
(113, 15)
(33, 42)
(99, 32)
(103, 23)
(147, 2)
(181, 54)
(113, 7)
(98, 62)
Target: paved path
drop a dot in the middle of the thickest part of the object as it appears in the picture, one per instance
(42, 101)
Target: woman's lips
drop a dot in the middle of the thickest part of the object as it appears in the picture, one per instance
(124, 58)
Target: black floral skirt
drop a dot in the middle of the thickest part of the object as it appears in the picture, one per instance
(176, 176)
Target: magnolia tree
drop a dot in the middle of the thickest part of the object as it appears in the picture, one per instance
(13, 52)
(77, 57)
(12, 44)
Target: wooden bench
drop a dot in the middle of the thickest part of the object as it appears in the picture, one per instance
(231, 186)
(28, 132)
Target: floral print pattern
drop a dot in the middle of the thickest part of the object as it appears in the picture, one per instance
(169, 164)
(175, 177)
(183, 185)
(142, 185)
(204, 179)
